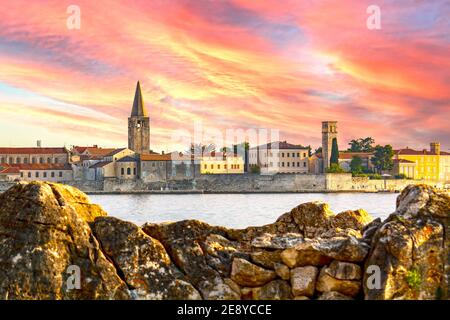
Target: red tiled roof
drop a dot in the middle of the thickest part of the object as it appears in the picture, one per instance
(156, 157)
(94, 151)
(79, 149)
(349, 155)
(35, 150)
(6, 169)
(412, 152)
(42, 166)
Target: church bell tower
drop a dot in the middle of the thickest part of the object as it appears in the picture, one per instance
(139, 125)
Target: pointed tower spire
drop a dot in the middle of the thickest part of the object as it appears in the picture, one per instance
(138, 104)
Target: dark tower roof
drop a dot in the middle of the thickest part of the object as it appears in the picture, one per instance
(138, 104)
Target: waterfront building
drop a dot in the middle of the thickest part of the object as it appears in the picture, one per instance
(432, 164)
(120, 163)
(222, 163)
(280, 157)
(154, 167)
(139, 125)
(8, 173)
(172, 166)
(34, 155)
(404, 167)
(53, 172)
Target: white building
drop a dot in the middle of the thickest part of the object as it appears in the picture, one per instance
(280, 157)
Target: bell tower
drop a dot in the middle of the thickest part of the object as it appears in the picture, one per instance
(329, 132)
(139, 125)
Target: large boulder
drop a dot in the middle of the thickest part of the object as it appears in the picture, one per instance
(328, 283)
(312, 218)
(144, 263)
(303, 281)
(352, 219)
(202, 252)
(248, 274)
(46, 242)
(409, 258)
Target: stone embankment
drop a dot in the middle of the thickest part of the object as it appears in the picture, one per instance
(56, 244)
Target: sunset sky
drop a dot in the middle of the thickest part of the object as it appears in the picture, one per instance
(281, 64)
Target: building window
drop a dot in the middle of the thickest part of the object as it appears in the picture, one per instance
(212, 166)
(29, 174)
(122, 170)
(49, 160)
(56, 160)
(298, 154)
(37, 174)
(282, 164)
(282, 154)
(206, 166)
(128, 171)
(52, 174)
(288, 154)
(304, 154)
(304, 164)
(41, 160)
(218, 166)
(225, 166)
(45, 174)
(3, 160)
(134, 171)
(21, 174)
(25, 160)
(288, 164)
(237, 166)
(33, 160)
(60, 174)
(298, 164)
(11, 160)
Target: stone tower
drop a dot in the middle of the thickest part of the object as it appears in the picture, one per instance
(435, 147)
(329, 132)
(139, 125)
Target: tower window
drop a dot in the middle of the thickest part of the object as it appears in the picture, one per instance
(128, 171)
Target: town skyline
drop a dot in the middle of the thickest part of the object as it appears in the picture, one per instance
(230, 64)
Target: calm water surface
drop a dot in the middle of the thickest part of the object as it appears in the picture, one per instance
(234, 210)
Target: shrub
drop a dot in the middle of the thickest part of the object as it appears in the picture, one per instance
(413, 278)
(255, 169)
(335, 168)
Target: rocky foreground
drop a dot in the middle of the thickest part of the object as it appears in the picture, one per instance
(47, 230)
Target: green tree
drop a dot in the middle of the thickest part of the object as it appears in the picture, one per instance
(362, 145)
(318, 150)
(334, 152)
(335, 168)
(382, 158)
(356, 165)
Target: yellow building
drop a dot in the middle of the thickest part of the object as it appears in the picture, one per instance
(429, 165)
(221, 163)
